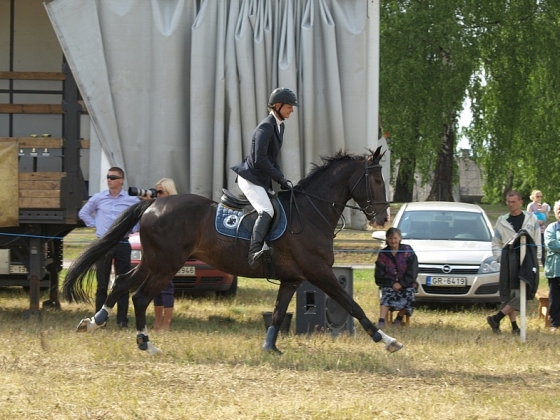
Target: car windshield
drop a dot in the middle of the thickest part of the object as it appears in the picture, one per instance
(444, 225)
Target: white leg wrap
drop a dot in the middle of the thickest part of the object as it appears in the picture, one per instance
(391, 344)
(387, 339)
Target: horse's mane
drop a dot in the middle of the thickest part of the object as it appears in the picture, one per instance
(327, 162)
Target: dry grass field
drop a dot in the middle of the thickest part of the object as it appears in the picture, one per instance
(211, 365)
(452, 366)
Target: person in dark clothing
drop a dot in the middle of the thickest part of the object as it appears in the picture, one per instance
(396, 270)
(507, 226)
(260, 167)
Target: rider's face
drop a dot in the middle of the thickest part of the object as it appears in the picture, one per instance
(285, 110)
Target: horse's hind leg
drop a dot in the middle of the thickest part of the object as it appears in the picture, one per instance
(141, 300)
(122, 285)
(285, 295)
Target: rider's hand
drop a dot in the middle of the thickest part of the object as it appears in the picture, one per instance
(285, 184)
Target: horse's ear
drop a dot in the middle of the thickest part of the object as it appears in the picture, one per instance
(375, 156)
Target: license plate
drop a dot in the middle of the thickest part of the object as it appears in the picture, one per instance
(187, 271)
(446, 281)
(18, 269)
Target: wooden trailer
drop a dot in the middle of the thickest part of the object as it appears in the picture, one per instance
(42, 183)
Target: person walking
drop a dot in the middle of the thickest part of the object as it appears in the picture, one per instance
(396, 270)
(100, 211)
(260, 167)
(506, 228)
(552, 268)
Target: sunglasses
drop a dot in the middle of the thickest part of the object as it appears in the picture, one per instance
(113, 177)
(159, 192)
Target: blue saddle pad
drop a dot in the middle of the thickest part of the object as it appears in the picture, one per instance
(228, 224)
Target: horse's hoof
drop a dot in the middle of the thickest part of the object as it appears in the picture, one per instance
(144, 344)
(273, 350)
(83, 325)
(394, 346)
(88, 325)
(152, 350)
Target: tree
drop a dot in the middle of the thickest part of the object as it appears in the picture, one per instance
(516, 91)
(428, 55)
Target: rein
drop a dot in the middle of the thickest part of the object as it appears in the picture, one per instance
(369, 210)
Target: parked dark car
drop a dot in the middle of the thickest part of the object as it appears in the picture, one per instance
(194, 276)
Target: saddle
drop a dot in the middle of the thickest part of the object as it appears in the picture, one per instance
(249, 217)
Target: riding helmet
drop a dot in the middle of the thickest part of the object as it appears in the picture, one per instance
(284, 96)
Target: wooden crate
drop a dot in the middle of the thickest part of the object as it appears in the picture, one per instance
(40, 190)
(543, 307)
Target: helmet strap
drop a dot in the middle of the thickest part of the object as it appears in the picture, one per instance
(277, 112)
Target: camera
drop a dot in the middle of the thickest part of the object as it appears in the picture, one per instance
(149, 193)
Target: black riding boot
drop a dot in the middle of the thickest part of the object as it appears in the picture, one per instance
(260, 229)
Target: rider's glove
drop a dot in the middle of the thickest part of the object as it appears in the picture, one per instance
(285, 184)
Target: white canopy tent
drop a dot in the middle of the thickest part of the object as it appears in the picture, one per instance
(175, 87)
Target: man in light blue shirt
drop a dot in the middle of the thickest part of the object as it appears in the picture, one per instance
(101, 210)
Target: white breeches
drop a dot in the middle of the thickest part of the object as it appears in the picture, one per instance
(256, 195)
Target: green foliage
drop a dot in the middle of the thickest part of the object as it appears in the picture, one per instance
(515, 124)
(426, 64)
(503, 54)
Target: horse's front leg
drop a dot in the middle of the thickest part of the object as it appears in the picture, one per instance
(329, 284)
(285, 295)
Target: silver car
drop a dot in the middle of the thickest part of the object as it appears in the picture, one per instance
(453, 242)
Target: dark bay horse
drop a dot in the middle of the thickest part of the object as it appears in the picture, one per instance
(177, 227)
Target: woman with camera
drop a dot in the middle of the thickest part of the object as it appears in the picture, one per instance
(164, 302)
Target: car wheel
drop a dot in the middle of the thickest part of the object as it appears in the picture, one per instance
(229, 293)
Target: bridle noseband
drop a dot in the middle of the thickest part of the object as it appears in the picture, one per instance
(369, 210)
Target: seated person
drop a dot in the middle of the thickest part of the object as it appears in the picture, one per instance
(396, 270)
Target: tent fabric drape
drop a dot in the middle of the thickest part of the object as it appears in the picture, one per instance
(175, 88)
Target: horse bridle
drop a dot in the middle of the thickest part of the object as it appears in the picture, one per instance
(369, 194)
(369, 210)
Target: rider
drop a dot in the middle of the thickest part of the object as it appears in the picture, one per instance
(260, 167)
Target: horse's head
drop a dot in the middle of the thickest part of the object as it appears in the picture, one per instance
(369, 190)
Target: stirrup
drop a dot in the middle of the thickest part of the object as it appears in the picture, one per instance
(254, 260)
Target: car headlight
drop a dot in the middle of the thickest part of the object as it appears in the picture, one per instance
(490, 265)
(135, 255)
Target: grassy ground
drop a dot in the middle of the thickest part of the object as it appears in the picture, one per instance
(452, 366)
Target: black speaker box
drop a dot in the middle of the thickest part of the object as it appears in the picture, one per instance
(316, 311)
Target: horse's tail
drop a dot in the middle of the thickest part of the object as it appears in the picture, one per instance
(80, 270)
